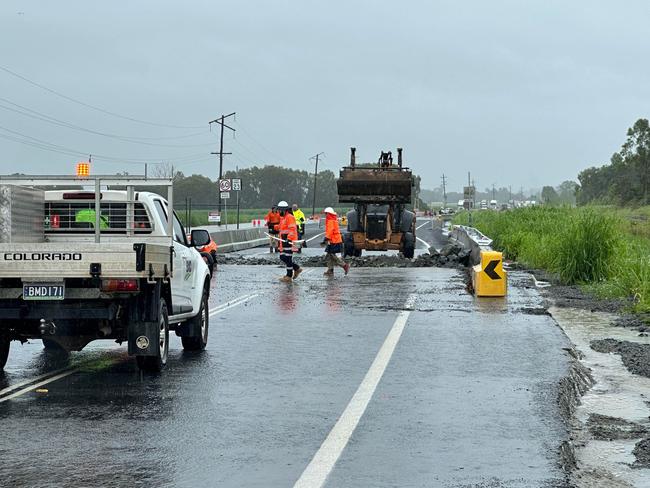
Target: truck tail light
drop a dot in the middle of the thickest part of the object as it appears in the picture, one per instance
(120, 285)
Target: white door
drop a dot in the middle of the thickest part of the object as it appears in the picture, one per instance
(183, 265)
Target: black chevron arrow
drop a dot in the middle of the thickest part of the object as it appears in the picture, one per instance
(489, 269)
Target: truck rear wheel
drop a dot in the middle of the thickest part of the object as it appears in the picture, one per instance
(158, 362)
(200, 322)
(4, 351)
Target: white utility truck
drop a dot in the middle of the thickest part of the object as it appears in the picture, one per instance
(97, 258)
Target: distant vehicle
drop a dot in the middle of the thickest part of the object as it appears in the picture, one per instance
(461, 204)
(494, 205)
(379, 192)
(76, 266)
(483, 205)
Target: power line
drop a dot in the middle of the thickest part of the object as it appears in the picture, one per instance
(48, 146)
(275, 156)
(27, 112)
(93, 107)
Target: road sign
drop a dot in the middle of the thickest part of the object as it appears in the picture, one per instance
(214, 217)
(489, 279)
(225, 195)
(236, 184)
(225, 185)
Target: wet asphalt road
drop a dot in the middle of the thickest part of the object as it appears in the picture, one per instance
(468, 397)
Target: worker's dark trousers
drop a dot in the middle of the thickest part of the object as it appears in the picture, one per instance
(287, 258)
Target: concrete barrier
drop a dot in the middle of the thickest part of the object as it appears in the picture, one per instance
(469, 240)
(238, 240)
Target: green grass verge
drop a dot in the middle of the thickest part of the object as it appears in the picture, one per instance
(603, 248)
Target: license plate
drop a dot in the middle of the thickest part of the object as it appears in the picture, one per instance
(43, 291)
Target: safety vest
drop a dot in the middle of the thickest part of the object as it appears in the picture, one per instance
(288, 229)
(332, 231)
(272, 218)
(300, 216)
(88, 215)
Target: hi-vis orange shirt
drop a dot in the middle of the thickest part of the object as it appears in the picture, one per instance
(288, 228)
(272, 218)
(332, 231)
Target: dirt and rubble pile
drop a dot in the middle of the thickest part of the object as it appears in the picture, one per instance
(450, 256)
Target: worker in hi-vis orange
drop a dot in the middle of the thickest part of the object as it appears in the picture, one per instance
(333, 243)
(288, 231)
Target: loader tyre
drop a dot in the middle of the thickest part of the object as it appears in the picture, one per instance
(200, 322)
(157, 363)
(409, 245)
(52, 346)
(348, 247)
(4, 351)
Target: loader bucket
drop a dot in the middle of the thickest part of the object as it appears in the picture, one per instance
(374, 185)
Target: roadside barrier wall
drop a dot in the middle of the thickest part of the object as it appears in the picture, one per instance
(461, 235)
(238, 240)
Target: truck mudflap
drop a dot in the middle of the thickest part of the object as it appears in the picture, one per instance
(143, 332)
(143, 338)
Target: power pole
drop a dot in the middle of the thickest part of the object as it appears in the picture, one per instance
(444, 191)
(313, 208)
(221, 122)
(493, 192)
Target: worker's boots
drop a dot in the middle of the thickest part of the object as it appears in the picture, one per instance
(286, 279)
(296, 273)
(329, 272)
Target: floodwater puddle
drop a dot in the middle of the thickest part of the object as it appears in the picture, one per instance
(616, 394)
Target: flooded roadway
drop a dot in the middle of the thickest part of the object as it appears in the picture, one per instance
(386, 377)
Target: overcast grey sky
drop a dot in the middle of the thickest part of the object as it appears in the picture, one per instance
(521, 93)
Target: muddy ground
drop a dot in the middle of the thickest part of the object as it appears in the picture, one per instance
(451, 256)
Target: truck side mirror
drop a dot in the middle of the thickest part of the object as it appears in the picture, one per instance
(200, 238)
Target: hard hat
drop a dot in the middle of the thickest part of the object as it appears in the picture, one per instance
(329, 210)
(283, 204)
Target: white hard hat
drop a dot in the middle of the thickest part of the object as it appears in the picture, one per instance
(283, 204)
(329, 210)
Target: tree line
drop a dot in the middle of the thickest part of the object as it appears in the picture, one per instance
(625, 180)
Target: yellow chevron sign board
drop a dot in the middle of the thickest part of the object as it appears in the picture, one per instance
(489, 278)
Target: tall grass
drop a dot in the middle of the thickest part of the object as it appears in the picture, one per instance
(599, 247)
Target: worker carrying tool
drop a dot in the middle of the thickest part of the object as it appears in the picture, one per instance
(333, 243)
(300, 222)
(272, 220)
(288, 231)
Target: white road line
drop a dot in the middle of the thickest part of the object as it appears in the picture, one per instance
(228, 303)
(27, 382)
(424, 242)
(316, 473)
(231, 304)
(420, 226)
(38, 385)
(312, 238)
